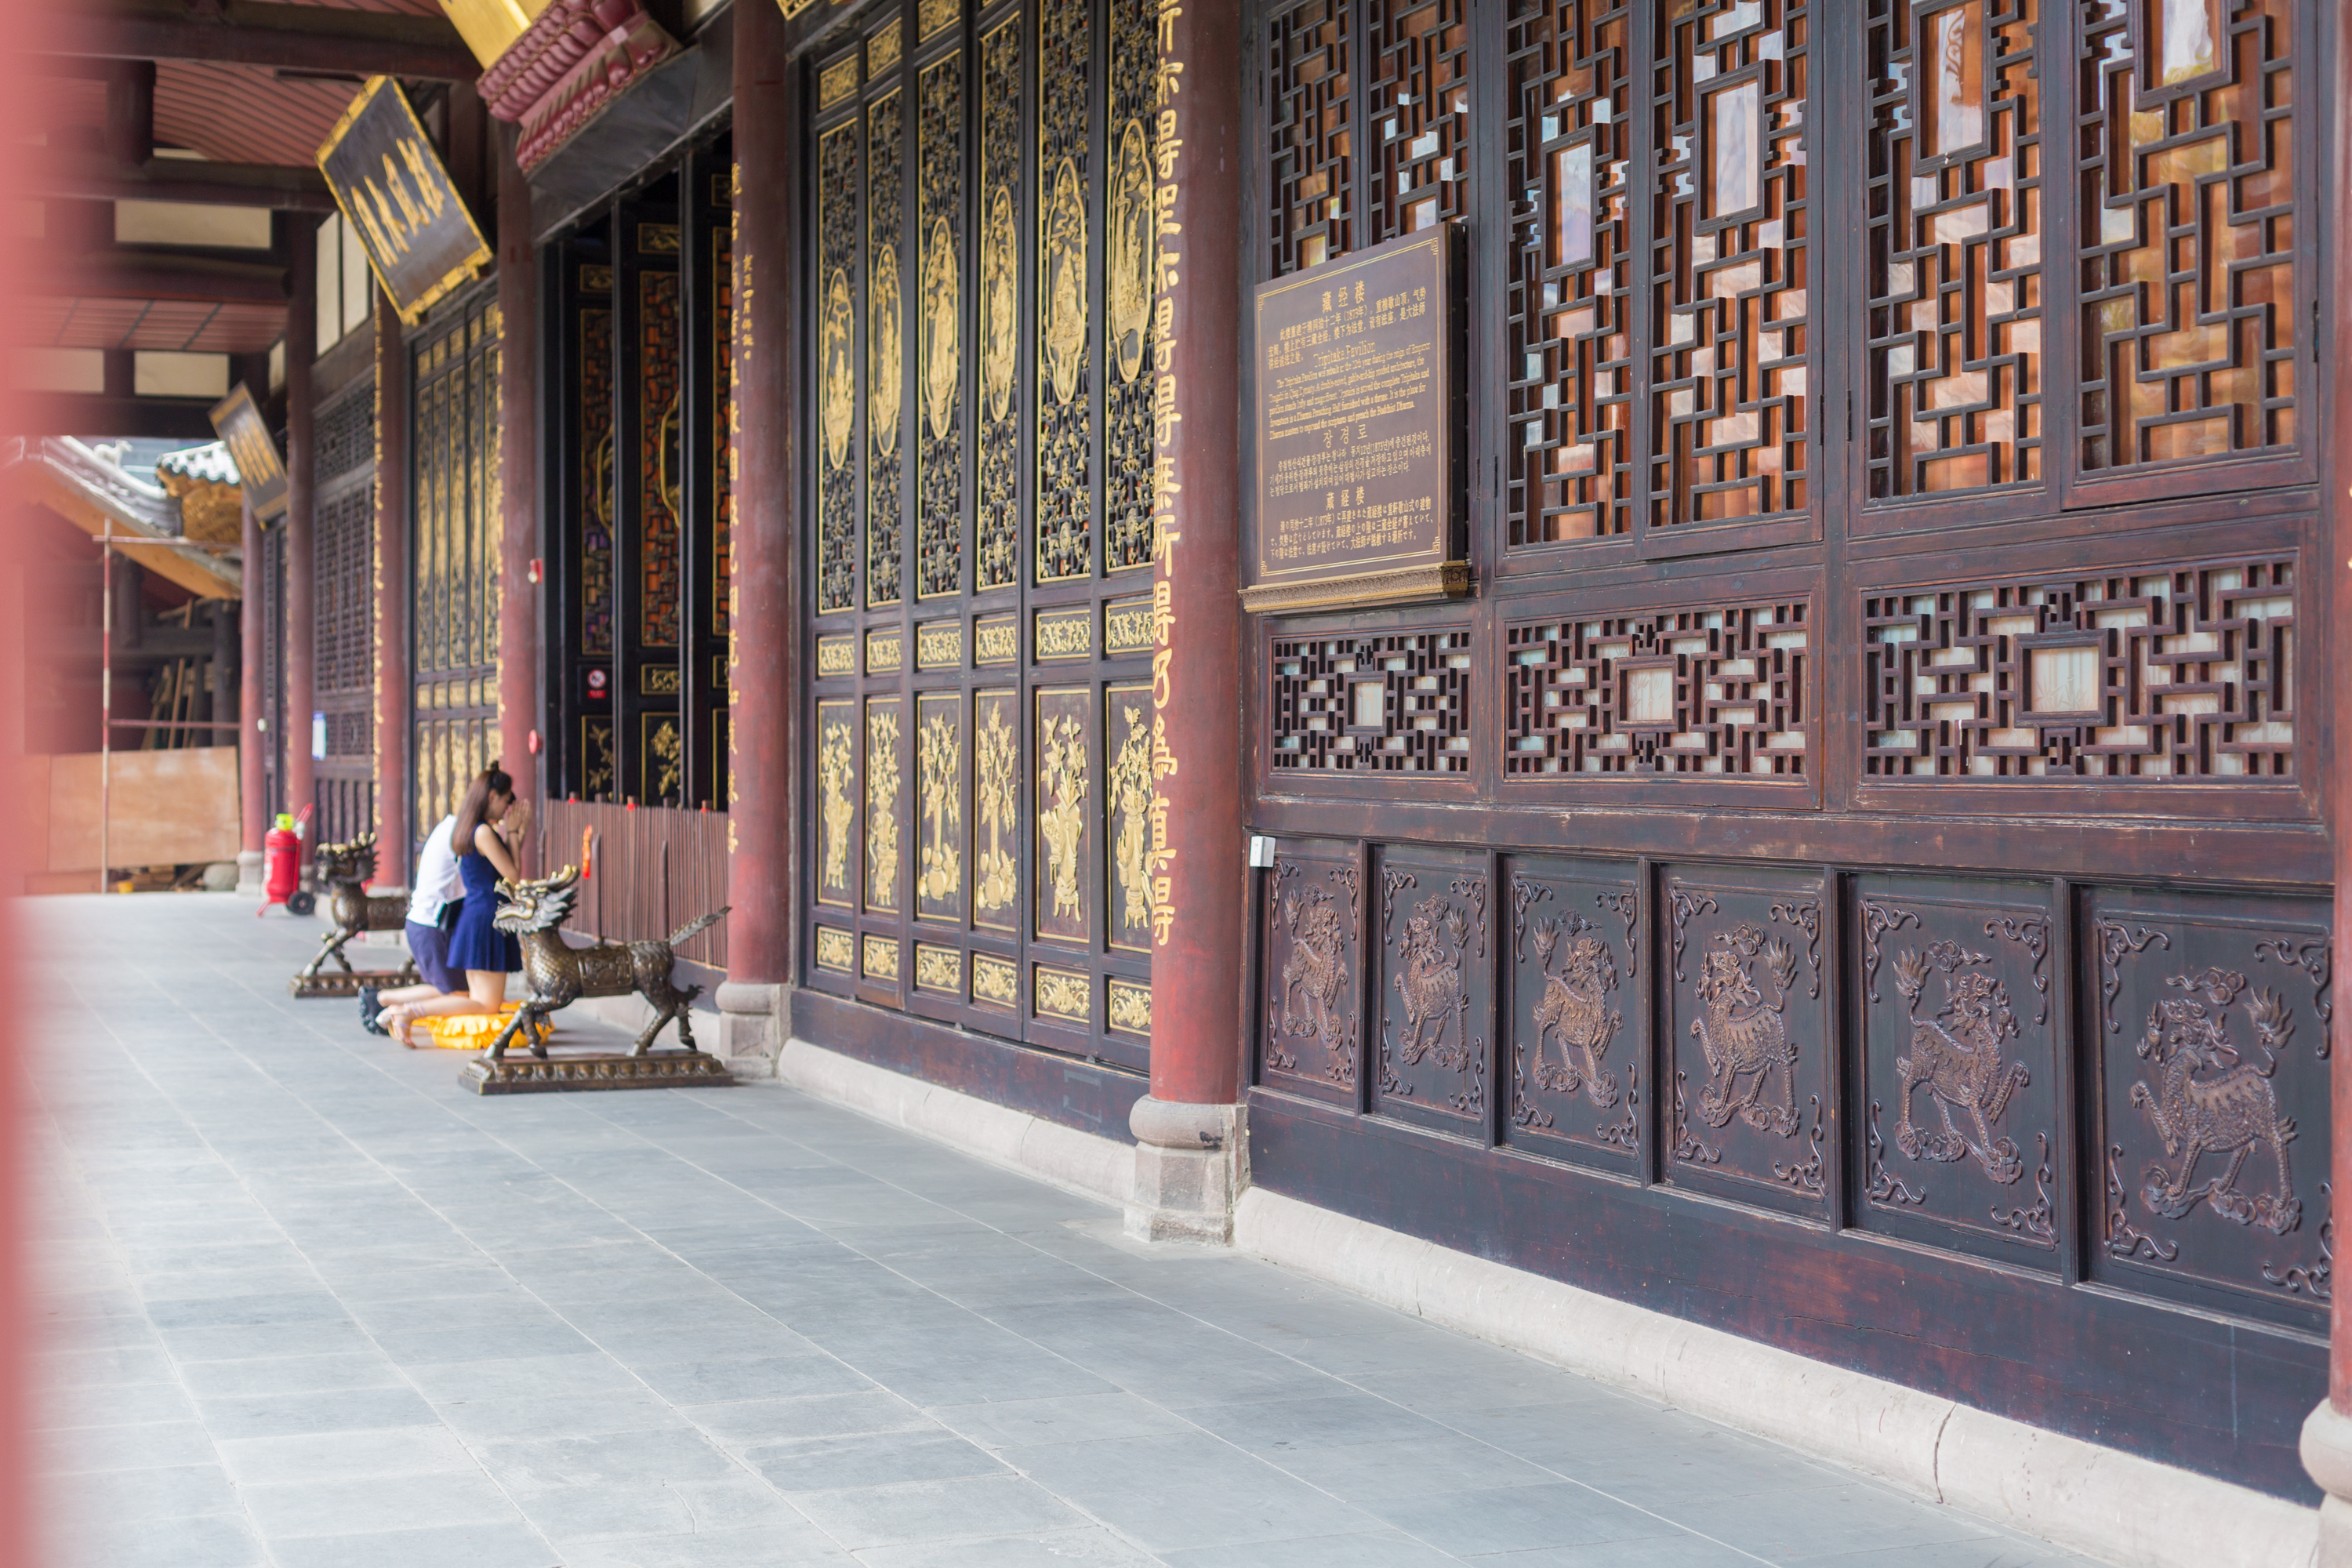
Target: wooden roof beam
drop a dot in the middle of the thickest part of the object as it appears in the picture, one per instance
(124, 274)
(279, 37)
(289, 187)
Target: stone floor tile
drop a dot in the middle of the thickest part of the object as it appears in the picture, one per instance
(649, 1456)
(1469, 1522)
(1801, 1525)
(1335, 1417)
(115, 1404)
(518, 1376)
(560, 1415)
(148, 1445)
(2002, 1551)
(1089, 1548)
(180, 1491)
(569, 1515)
(1076, 1419)
(290, 1374)
(97, 1368)
(315, 1412)
(734, 1503)
(374, 1504)
(1204, 1492)
(224, 1540)
(343, 1456)
(1406, 1467)
(765, 1546)
(872, 1459)
(936, 1511)
(1679, 1549)
(749, 1423)
(447, 1546)
(1378, 1549)
(736, 1378)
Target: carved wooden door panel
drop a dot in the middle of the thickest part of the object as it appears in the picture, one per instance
(649, 478)
(581, 668)
(454, 565)
(979, 369)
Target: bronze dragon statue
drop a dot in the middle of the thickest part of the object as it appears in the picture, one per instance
(344, 869)
(559, 974)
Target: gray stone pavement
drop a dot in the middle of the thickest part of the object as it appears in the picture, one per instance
(312, 1306)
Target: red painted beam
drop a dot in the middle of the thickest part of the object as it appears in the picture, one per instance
(279, 37)
(131, 275)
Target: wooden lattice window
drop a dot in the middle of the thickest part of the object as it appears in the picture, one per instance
(1310, 134)
(1729, 268)
(1717, 690)
(938, 326)
(2169, 673)
(1419, 114)
(838, 314)
(2187, 173)
(1570, 346)
(1955, 247)
(1391, 703)
(1003, 201)
(886, 282)
(661, 551)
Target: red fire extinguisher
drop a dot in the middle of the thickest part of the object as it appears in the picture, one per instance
(282, 852)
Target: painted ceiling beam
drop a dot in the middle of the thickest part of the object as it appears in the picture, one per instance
(163, 275)
(279, 37)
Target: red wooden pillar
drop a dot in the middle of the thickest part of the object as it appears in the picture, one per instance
(253, 734)
(755, 1002)
(519, 481)
(1188, 1168)
(2328, 1434)
(301, 465)
(393, 831)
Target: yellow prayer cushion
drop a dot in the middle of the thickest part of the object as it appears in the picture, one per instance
(475, 1031)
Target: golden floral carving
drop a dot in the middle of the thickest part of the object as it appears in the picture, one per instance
(834, 950)
(666, 749)
(1061, 814)
(994, 980)
(996, 755)
(881, 960)
(1059, 993)
(1065, 637)
(1129, 788)
(836, 656)
(1130, 1006)
(834, 767)
(938, 968)
(882, 808)
(996, 642)
(939, 776)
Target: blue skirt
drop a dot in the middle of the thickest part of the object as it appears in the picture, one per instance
(477, 945)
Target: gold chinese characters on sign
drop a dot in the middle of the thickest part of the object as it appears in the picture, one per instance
(1356, 429)
(398, 197)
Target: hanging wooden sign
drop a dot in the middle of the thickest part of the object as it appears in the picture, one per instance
(1358, 424)
(394, 189)
(238, 423)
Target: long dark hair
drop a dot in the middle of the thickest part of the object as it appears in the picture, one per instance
(475, 809)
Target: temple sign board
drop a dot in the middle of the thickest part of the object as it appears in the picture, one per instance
(395, 192)
(238, 423)
(1357, 440)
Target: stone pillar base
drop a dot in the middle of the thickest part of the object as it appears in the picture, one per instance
(753, 1024)
(1192, 1163)
(249, 878)
(2328, 1457)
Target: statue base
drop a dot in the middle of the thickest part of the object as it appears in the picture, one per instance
(522, 1073)
(351, 985)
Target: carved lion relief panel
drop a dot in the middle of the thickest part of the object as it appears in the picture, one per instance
(1576, 1055)
(1311, 1016)
(1959, 1109)
(2211, 1018)
(1748, 1109)
(1435, 1002)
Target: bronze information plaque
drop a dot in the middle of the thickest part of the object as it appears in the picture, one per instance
(1358, 494)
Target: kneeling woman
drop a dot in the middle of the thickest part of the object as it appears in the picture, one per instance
(490, 822)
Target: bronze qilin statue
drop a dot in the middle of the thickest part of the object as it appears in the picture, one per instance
(559, 975)
(343, 870)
